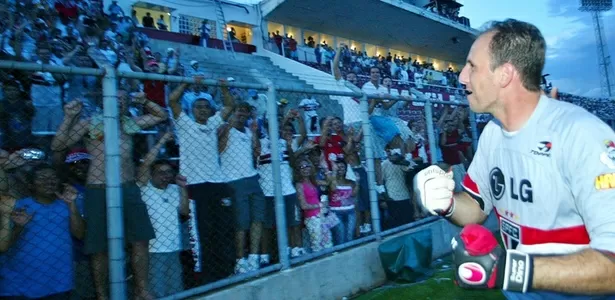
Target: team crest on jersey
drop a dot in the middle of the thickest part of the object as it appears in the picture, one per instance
(511, 234)
(543, 149)
(608, 157)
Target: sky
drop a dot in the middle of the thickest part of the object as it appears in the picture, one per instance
(572, 60)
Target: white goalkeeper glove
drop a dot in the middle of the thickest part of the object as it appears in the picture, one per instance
(434, 187)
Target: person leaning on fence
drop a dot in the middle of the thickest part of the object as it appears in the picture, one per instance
(138, 228)
(199, 161)
(239, 146)
(167, 205)
(36, 234)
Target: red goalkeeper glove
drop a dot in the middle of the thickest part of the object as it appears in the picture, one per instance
(480, 262)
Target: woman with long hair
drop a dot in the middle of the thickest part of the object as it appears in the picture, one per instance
(343, 199)
(313, 209)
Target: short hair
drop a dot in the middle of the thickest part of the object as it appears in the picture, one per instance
(160, 162)
(243, 105)
(520, 44)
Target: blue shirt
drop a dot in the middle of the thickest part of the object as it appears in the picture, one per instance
(40, 263)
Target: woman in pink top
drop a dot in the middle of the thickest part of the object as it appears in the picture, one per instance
(313, 210)
(343, 198)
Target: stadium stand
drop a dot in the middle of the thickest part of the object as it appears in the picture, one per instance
(190, 229)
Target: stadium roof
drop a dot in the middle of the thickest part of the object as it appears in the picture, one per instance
(388, 23)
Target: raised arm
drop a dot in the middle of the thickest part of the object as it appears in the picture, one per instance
(227, 100)
(144, 173)
(175, 99)
(156, 114)
(335, 67)
(223, 136)
(184, 204)
(72, 130)
(256, 141)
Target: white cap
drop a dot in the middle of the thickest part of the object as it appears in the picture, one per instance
(170, 50)
(230, 79)
(193, 62)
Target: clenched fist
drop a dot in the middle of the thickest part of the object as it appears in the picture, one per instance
(434, 187)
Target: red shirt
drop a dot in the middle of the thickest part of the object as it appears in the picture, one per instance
(335, 145)
(450, 152)
(425, 144)
(292, 45)
(154, 90)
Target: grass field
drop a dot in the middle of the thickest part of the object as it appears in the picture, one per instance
(439, 286)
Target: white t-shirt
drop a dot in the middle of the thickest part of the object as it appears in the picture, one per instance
(265, 170)
(236, 160)
(370, 89)
(350, 106)
(162, 207)
(198, 149)
(259, 104)
(395, 181)
(309, 107)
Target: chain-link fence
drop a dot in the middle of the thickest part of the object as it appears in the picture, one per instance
(111, 191)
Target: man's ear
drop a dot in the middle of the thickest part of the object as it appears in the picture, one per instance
(505, 74)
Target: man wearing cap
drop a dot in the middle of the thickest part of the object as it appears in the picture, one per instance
(197, 92)
(197, 135)
(75, 167)
(194, 69)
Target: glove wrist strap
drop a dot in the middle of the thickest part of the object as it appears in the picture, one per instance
(451, 209)
(518, 271)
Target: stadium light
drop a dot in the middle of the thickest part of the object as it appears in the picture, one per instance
(596, 5)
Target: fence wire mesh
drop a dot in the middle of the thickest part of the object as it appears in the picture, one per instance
(216, 180)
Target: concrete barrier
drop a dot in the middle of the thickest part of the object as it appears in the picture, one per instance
(337, 275)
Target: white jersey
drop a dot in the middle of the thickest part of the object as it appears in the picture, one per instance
(552, 183)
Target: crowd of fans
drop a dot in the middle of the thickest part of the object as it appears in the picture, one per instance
(198, 194)
(398, 68)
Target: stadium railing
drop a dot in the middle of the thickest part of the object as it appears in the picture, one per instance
(216, 266)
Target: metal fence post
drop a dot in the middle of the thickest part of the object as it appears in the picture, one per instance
(280, 216)
(473, 130)
(369, 158)
(431, 134)
(115, 220)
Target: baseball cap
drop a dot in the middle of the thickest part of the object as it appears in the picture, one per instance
(252, 93)
(206, 97)
(193, 62)
(230, 79)
(77, 155)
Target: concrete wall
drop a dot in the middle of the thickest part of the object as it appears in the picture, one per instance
(335, 276)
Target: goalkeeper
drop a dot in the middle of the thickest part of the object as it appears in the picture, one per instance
(547, 170)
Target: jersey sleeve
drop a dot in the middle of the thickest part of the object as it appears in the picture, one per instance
(477, 177)
(588, 166)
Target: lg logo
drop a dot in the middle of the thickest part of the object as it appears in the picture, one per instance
(521, 191)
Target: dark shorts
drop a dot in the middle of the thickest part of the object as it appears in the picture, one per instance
(363, 197)
(137, 225)
(249, 202)
(291, 207)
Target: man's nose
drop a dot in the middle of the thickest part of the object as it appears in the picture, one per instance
(464, 77)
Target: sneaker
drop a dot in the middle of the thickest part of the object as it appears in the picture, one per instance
(362, 229)
(368, 228)
(253, 262)
(241, 266)
(264, 260)
(294, 252)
